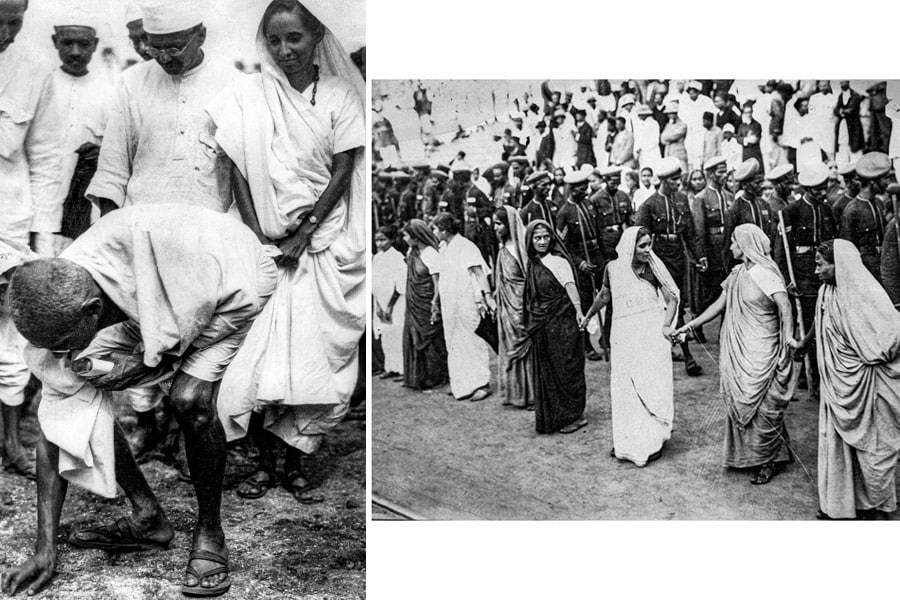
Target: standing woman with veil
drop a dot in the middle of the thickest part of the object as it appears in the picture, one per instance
(295, 133)
(552, 313)
(645, 301)
(757, 374)
(514, 359)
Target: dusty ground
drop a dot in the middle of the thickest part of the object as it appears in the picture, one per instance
(459, 460)
(279, 548)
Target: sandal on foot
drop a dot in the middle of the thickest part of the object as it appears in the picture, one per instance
(692, 368)
(24, 464)
(207, 592)
(764, 475)
(301, 489)
(255, 486)
(119, 536)
(574, 426)
(823, 516)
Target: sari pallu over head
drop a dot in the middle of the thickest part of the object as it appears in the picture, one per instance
(420, 287)
(284, 146)
(752, 359)
(545, 297)
(858, 333)
(511, 290)
(621, 269)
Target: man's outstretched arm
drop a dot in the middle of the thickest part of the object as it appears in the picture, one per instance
(51, 493)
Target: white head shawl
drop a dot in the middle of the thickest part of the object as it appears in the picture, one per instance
(622, 265)
(333, 60)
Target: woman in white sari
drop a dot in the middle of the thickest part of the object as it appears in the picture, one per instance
(645, 301)
(463, 295)
(295, 134)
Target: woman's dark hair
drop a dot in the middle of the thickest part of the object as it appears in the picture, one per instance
(800, 101)
(447, 222)
(826, 249)
(388, 231)
(500, 215)
(641, 233)
(293, 6)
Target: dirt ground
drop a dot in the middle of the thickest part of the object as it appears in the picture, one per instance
(446, 459)
(279, 548)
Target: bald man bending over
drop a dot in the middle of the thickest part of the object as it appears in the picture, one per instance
(166, 293)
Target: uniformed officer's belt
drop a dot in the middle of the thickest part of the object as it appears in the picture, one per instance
(592, 244)
(666, 237)
(863, 247)
(612, 228)
(716, 230)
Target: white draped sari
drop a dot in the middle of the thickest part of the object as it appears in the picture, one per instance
(641, 386)
(300, 358)
(467, 354)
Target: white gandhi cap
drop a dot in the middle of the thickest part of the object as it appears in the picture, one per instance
(170, 16)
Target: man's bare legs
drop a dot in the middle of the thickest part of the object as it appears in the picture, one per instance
(147, 516)
(16, 455)
(194, 404)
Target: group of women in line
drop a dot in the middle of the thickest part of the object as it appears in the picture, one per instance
(541, 360)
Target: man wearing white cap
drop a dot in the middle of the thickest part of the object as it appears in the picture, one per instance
(807, 224)
(667, 216)
(710, 207)
(136, 34)
(29, 165)
(159, 146)
(646, 137)
(576, 224)
(82, 102)
(690, 111)
(731, 148)
(863, 220)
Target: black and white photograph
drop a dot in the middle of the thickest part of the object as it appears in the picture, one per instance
(635, 299)
(183, 273)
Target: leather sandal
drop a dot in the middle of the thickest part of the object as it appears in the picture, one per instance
(207, 592)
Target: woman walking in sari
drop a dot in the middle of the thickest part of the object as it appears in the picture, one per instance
(513, 355)
(645, 298)
(295, 133)
(424, 350)
(464, 295)
(755, 358)
(552, 313)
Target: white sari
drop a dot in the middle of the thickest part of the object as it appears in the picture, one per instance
(467, 354)
(300, 358)
(641, 386)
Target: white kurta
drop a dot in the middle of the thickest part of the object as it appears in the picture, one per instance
(467, 354)
(159, 146)
(83, 106)
(646, 139)
(691, 112)
(29, 156)
(821, 109)
(388, 277)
